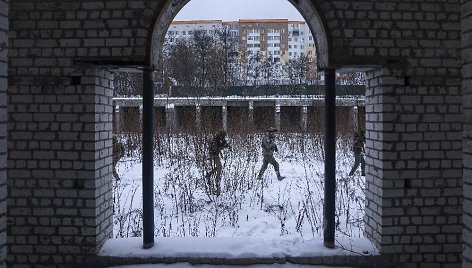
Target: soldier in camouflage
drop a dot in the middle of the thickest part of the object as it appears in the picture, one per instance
(268, 149)
(358, 149)
(217, 144)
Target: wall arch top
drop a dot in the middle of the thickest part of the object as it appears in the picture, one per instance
(309, 9)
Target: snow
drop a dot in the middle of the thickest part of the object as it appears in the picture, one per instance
(250, 219)
(234, 248)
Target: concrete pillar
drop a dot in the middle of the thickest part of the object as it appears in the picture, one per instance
(251, 113)
(141, 113)
(355, 117)
(304, 118)
(117, 118)
(198, 116)
(277, 116)
(224, 113)
(171, 118)
(121, 117)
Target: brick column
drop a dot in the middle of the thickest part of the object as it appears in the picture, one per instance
(60, 168)
(414, 167)
(467, 91)
(3, 127)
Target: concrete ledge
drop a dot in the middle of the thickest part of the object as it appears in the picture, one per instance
(240, 251)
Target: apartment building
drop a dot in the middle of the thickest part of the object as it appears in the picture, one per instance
(278, 39)
(185, 29)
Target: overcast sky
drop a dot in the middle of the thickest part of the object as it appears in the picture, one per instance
(229, 10)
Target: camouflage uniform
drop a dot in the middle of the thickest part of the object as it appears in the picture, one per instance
(217, 144)
(118, 153)
(358, 148)
(268, 149)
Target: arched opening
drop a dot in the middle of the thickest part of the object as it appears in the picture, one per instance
(150, 82)
(308, 9)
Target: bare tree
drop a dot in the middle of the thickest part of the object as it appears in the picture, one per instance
(128, 84)
(202, 44)
(180, 62)
(228, 46)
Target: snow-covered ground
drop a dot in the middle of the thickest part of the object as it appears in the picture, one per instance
(250, 219)
(267, 209)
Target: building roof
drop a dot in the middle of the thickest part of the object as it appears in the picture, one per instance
(196, 21)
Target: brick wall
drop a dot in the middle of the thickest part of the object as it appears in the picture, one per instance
(414, 161)
(3, 127)
(467, 90)
(59, 141)
(60, 113)
(59, 122)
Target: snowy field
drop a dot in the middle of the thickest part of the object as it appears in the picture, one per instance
(267, 209)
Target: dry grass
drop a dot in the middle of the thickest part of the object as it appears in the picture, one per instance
(184, 207)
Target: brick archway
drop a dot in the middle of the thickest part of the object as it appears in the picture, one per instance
(416, 106)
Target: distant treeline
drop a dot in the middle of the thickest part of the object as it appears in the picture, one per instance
(264, 90)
